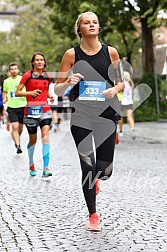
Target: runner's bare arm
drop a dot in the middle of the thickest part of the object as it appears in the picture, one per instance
(20, 92)
(63, 80)
(50, 96)
(115, 62)
(111, 92)
(4, 95)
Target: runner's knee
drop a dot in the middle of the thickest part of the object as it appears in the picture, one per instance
(105, 172)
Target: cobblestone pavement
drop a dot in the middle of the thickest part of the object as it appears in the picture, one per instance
(43, 215)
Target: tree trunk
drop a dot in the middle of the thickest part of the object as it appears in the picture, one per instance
(128, 49)
(147, 47)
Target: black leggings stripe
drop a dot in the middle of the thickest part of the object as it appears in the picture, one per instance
(91, 169)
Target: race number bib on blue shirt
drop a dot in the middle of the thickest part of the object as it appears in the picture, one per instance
(92, 90)
(35, 111)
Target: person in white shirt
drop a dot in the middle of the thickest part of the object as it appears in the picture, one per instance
(127, 104)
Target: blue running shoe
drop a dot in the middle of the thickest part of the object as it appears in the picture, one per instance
(32, 170)
(46, 173)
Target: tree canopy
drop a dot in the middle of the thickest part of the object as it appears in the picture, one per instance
(33, 31)
(48, 26)
(116, 17)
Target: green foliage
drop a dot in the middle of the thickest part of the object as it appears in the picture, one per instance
(116, 19)
(86, 6)
(148, 110)
(163, 90)
(34, 28)
(115, 31)
(145, 113)
(149, 79)
(163, 98)
(33, 32)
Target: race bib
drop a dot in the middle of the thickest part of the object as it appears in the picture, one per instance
(92, 90)
(35, 111)
(12, 95)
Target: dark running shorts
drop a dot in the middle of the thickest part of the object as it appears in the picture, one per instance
(126, 107)
(58, 109)
(1, 109)
(33, 123)
(16, 114)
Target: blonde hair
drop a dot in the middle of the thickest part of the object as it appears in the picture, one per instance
(78, 22)
(128, 78)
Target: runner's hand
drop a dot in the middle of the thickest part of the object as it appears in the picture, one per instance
(110, 92)
(35, 93)
(51, 99)
(75, 78)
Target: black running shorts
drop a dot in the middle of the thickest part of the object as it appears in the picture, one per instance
(16, 114)
(32, 123)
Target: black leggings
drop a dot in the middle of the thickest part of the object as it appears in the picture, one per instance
(98, 164)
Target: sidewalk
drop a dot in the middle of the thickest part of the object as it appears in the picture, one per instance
(43, 215)
(149, 131)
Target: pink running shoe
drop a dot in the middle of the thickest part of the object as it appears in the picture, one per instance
(94, 223)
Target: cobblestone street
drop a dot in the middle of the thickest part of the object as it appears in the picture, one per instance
(40, 215)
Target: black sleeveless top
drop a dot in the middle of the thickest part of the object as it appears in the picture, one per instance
(92, 67)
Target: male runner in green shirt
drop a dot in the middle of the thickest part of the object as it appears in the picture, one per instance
(16, 105)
